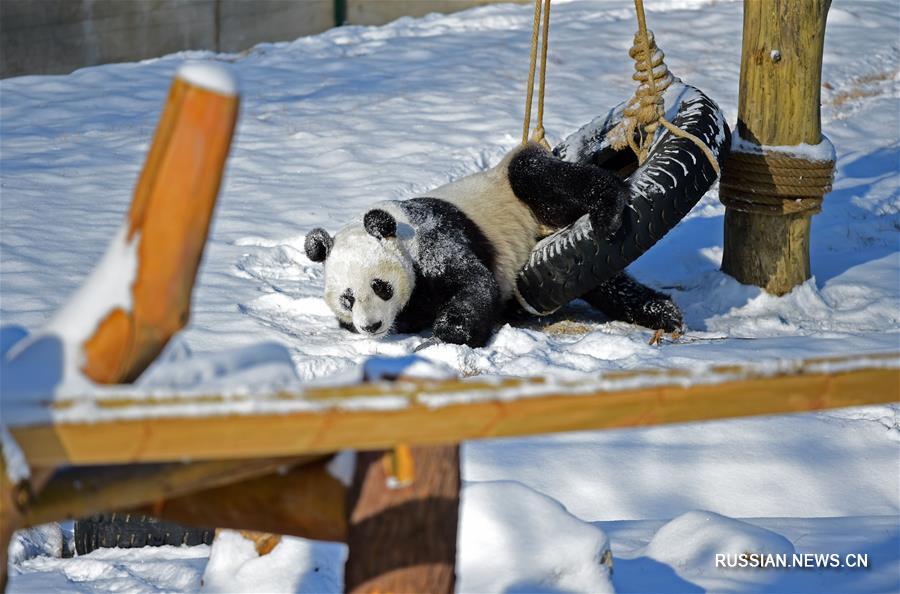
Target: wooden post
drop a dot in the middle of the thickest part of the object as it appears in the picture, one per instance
(169, 218)
(10, 517)
(403, 539)
(767, 217)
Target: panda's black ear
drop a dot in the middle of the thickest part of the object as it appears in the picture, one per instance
(318, 245)
(380, 224)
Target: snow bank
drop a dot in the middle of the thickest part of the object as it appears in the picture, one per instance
(690, 542)
(146, 570)
(45, 540)
(513, 539)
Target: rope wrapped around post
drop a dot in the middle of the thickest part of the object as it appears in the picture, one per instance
(775, 182)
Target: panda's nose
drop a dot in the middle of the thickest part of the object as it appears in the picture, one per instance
(372, 328)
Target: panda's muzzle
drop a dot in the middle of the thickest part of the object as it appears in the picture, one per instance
(372, 328)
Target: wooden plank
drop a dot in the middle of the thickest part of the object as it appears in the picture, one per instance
(450, 412)
(76, 492)
(305, 501)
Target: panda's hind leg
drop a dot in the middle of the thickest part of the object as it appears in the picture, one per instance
(623, 298)
(560, 192)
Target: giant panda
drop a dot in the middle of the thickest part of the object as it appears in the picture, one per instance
(449, 259)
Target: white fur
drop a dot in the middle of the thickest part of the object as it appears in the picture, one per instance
(357, 259)
(508, 223)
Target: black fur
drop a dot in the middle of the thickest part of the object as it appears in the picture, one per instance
(623, 298)
(379, 224)
(455, 291)
(318, 245)
(560, 192)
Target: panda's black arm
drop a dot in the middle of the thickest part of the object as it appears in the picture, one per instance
(468, 314)
(560, 192)
(623, 298)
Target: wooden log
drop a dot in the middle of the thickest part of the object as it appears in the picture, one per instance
(467, 410)
(779, 105)
(75, 492)
(305, 501)
(169, 217)
(403, 539)
(770, 251)
(15, 499)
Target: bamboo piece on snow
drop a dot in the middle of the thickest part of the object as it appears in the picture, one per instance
(403, 538)
(169, 219)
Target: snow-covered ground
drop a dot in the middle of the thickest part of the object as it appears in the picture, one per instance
(333, 122)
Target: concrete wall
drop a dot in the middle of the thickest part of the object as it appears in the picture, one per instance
(58, 36)
(378, 12)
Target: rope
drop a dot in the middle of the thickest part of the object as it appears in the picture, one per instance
(776, 184)
(539, 10)
(645, 112)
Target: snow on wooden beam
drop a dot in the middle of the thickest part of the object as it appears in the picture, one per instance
(380, 415)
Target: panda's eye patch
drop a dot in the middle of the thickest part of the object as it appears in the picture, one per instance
(347, 300)
(383, 289)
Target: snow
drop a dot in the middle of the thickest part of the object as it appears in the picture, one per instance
(14, 462)
(342, 466)
(210, 76)
(822, 151)
(41, 541)
(554, 551)
(294, 565)
(335, 122)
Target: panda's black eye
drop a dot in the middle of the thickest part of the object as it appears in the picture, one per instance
(383, 289)
(347, 300)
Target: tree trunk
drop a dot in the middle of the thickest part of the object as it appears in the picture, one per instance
(404, 539)
(780, 88)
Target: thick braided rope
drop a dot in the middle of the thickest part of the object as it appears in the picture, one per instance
(775, 183)
(645, 112)
(539, 11)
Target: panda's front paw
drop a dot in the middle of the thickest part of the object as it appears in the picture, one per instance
(456, 327)
(606, 215)
(660, 312)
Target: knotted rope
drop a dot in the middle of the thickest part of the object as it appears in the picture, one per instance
(774, 183)
(645, 112)
(544, 32)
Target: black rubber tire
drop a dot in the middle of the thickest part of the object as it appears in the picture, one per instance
(125, 531)
(572, 262)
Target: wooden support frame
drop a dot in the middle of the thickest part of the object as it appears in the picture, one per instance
(324, 420)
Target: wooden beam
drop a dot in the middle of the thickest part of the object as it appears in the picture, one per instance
(325, 420)
(305, 500)
(75, 492)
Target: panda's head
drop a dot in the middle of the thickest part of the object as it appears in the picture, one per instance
(369, 276)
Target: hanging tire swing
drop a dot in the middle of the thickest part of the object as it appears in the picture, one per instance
(670, 157)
